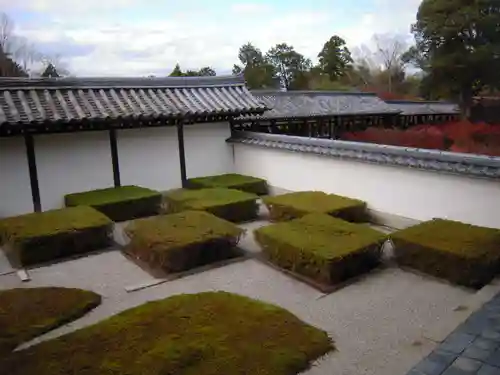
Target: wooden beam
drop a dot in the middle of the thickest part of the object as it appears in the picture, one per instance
(114, 157)
(35, 188)
(182, 153)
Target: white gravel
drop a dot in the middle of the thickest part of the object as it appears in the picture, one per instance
(380, 323)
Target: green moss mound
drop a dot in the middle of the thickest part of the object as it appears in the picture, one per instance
(248, 184)
(295, 205)
(119, 203)
(464, 254)
(198, 334)
(28, 313)
(39, 237)
(324, 248)
(182, 241)
(229, 204)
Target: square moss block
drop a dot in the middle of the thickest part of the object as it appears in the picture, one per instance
(40, 237)
(119, 203)
(295, 205)
(248, 184)
(229, 204)
(321, 247)
(178, 242)
(461, 253)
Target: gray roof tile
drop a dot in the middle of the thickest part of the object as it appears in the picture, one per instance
(297, 104)
(409, 108)
(434, 160)
(69, 100)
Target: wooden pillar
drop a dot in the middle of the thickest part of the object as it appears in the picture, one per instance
(182, 153)
(114, 157)
(35, 188)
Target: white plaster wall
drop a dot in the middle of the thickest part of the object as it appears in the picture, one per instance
(412, 193)
(15, 189)
(71, 163)
(207, 152)
(149, 157)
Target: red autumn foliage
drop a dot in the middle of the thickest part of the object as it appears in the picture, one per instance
(463, 136)
(406, 138)
(473, 147)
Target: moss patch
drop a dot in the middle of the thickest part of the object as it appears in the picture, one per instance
(119, 203)
(295, 205)
(199, 334)
(230, 181)
(324, 248)
(28, 313)
(178, 242)
(229, 204)
(461, 253)
(44, 236)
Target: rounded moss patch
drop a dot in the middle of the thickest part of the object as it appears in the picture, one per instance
(27, 313)
(203, 334)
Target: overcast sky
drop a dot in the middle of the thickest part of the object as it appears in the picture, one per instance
(142, 37)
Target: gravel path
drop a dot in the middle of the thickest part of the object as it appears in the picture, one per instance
(383, 324)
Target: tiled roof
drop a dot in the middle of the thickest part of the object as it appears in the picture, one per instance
(423, 108)
(300, 104)
(27, 103)
(434, 160)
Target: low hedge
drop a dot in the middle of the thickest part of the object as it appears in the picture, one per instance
(119, 203)
(229, 204)
(39, 237)
(464, 254)
(295, 205)
(30, 312)
(321, 247)
(249, 184)
(182, 241)
(203, 334)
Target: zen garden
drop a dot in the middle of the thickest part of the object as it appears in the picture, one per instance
(148, 226)
(322, 240)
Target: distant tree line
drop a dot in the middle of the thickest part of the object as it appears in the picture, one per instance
(455, 55)
(205, 71)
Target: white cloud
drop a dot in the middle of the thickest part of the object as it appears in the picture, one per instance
(145, 46)
(249, 8)
(67, 6)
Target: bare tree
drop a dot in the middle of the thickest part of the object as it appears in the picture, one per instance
(20, 49)
(6, 32)
(57, 62)
(389, 52)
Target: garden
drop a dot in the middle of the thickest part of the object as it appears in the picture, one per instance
(321, 240)
(463, 137)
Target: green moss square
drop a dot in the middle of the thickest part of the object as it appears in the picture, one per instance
(295, 205)
(182, 241)
(236, 181)
(324, 248)
(464, 254)
(119, 203)
(48, 235)
(203, 334)
(229, 204)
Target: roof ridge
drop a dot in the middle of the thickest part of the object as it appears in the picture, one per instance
(9, 83)
(311, 93)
